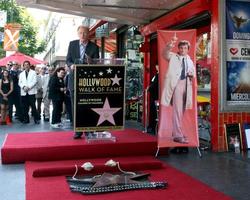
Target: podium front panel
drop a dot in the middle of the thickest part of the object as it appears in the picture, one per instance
(99, 97)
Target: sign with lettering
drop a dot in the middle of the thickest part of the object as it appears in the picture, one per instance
(237, 81)
(11, 36)
(99, 97)
(132, 110)
(102, 31)
(3, 18)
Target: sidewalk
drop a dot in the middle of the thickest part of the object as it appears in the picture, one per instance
(226, 172)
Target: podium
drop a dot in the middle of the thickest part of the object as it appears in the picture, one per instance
(99, 104)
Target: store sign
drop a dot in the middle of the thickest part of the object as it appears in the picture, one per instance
(11, 36)
(237, 81)
(102, 31)
(112, 26)
(99, 97)
(134, 110)
(1, 36)
(238, 51)
(3, 18)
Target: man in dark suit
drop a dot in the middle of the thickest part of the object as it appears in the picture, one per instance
(16, 94)
(154, 96)
(80, 51)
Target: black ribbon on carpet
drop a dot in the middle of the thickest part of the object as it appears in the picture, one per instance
(108, 182)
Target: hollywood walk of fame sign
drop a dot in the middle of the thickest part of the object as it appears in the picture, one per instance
(99, 97)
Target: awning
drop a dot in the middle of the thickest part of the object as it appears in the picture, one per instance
(20, 58)
(124, 11)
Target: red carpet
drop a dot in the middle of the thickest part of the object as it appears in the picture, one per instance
(181, 186)
(67, 167)
(48, 146)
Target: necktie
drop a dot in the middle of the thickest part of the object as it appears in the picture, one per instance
(82, 51)
(26, 73)
(183, 74)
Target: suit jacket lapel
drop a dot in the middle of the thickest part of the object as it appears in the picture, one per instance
(77, 49)
(87, 50)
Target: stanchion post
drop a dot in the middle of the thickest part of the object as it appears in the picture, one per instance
(158, 149)
(199, 152)
(146, 110)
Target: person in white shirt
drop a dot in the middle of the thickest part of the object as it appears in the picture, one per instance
(27, 83)
(45, 85)
(39, 94)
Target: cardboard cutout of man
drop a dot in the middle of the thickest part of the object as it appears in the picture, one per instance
(177, 91)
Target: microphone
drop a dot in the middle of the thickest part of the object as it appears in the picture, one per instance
(88, 59)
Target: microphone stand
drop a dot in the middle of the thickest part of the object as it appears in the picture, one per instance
(87, 58)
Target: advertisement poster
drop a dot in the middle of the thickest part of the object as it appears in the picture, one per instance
(99, 97)
(11, 36)
(178, 89)
(237, 53)
(3, 18)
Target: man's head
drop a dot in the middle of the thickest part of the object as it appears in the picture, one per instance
(60, 72)
(14, 66)
(26, 65)
(43, 70)
(9, 65)
(37, 70)
(50, 70)
(183, 47)
(83, 33)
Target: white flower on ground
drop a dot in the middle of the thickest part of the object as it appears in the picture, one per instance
(111, 163)
(87, 166)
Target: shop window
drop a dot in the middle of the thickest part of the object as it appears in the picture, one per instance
(203, 55)
(134, 74)
(203, 63)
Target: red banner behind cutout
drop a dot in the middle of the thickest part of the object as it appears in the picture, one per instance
(177, 128)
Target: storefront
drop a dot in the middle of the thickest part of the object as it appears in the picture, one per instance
(129, 40)
(123, 41)
(203, 16)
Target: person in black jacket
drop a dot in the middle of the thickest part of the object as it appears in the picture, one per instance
(57, 91)
(16, 94)
(6, 88)
(67, 99)
(154, 96)
(81, 51)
